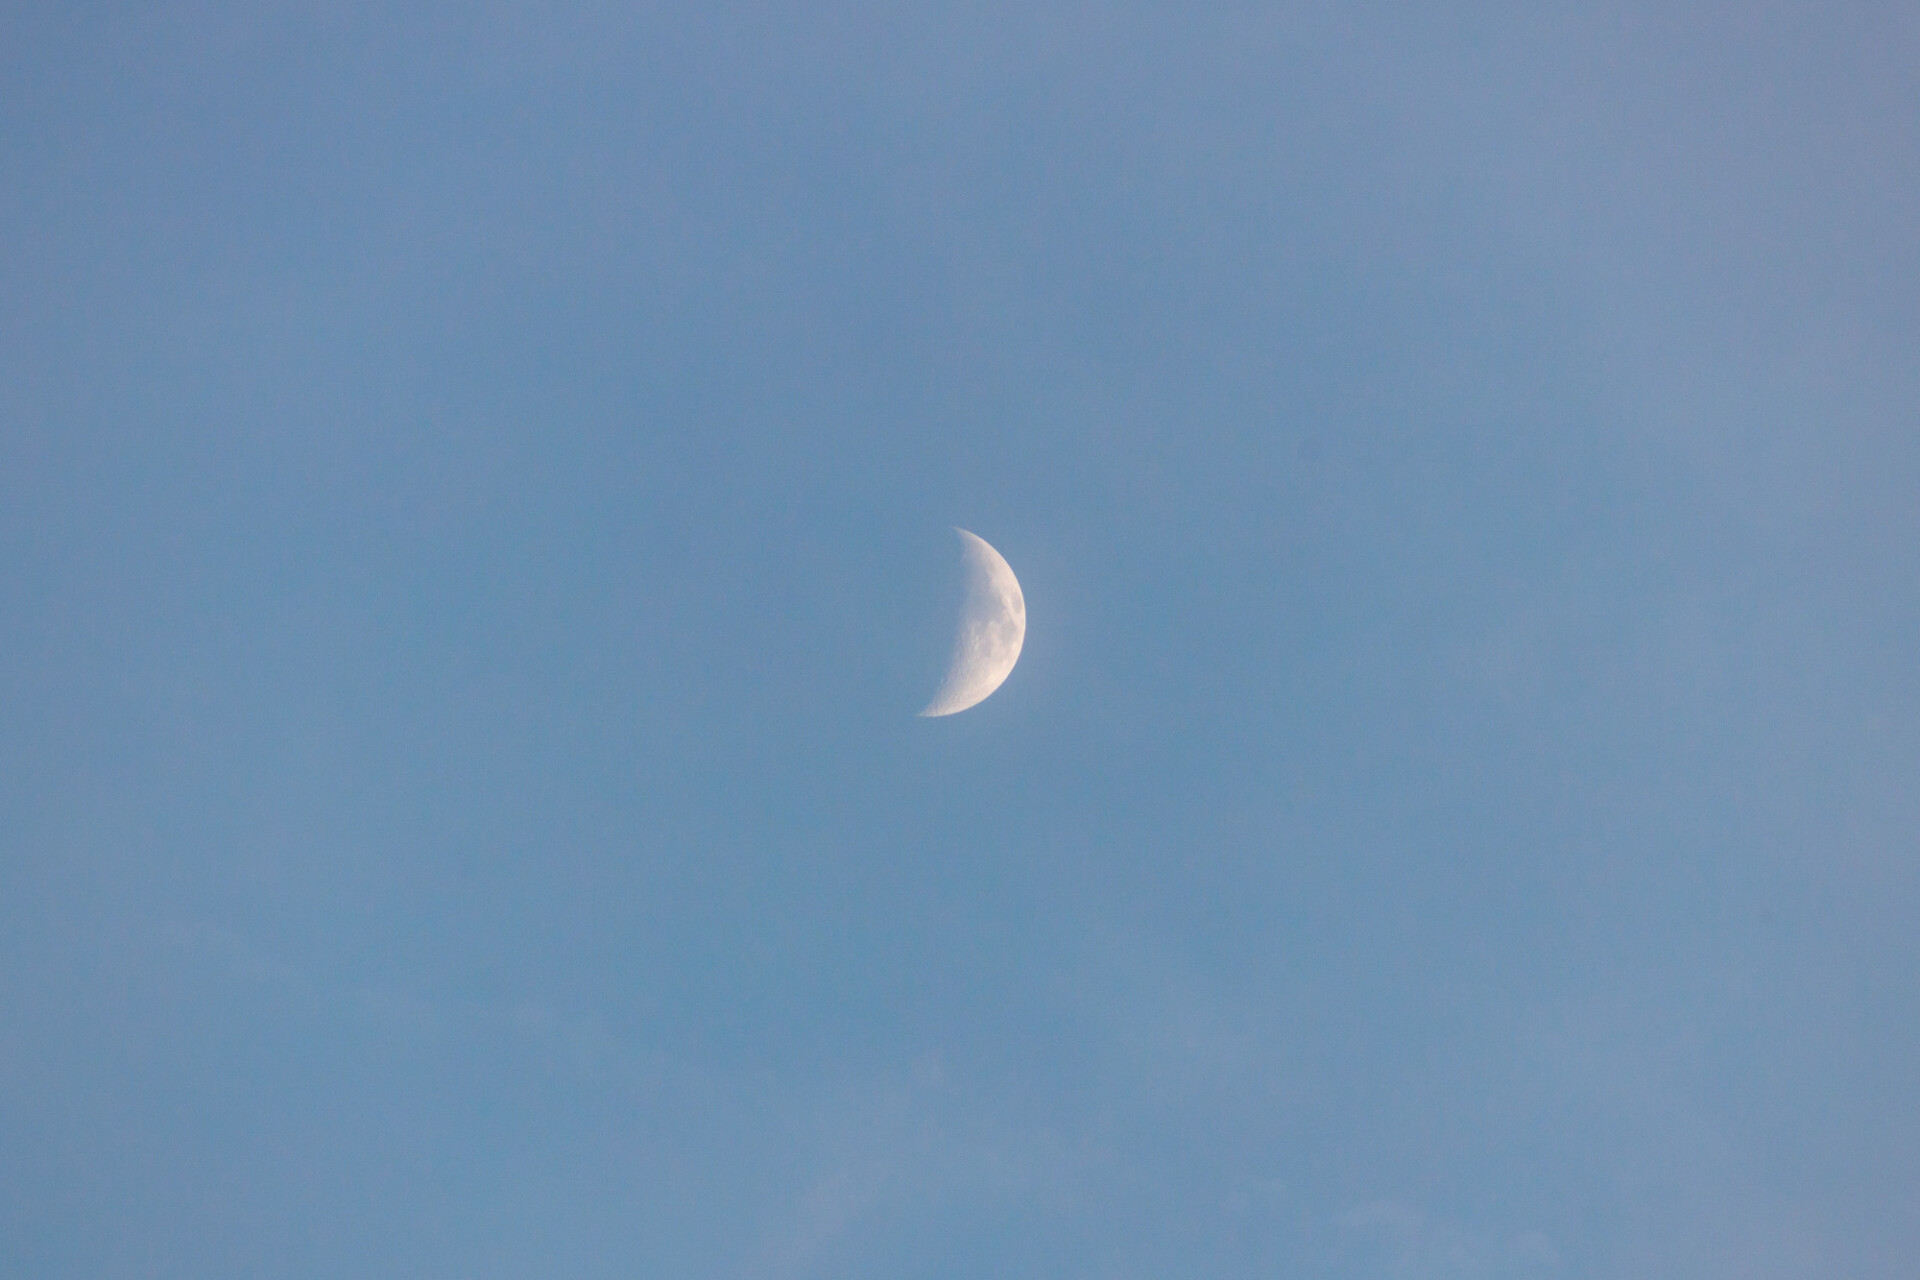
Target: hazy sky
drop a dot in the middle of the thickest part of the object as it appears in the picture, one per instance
(474, 499)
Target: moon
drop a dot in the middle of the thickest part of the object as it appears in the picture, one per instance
(993, 625)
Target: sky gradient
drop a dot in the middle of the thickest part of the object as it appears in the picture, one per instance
(475, 488)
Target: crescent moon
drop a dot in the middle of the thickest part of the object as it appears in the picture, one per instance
(993, 625)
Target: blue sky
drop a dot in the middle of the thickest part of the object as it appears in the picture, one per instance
(474, 493)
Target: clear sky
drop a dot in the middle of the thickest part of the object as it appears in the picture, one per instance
(474, 498)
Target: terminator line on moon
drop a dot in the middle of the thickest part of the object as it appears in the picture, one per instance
(993, 625)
